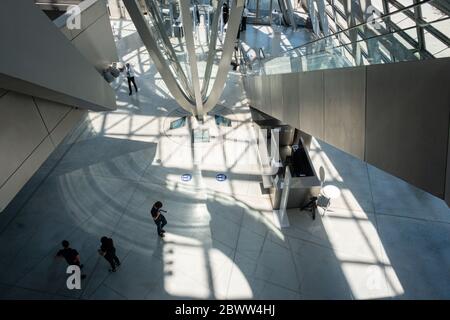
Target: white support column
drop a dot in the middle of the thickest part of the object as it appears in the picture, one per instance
(190, 45)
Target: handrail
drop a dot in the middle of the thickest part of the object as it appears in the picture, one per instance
(261, 53)
(354, 27)
(379, 36)
(384, 39)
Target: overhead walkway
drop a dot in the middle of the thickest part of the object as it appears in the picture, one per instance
(367, 91)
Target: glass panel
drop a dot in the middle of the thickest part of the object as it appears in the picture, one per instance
(252, 6)
(405, 3)
(432, 44)
(402, 20)
(178, 123)
(443, 54)
(222, 121)
(175, 58)
(430, 12)
(264, 11)
(443, 27)
(378, 4)
(385, 53)
(388, 39)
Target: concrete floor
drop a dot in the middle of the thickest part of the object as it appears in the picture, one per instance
(381, 239)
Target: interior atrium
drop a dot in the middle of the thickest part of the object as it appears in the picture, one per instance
(299, 149)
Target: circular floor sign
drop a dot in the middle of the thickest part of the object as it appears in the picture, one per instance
(186, 177)
(221, 177)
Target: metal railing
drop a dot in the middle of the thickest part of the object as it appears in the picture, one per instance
(371, 42)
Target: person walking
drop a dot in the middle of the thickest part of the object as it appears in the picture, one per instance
(197, 15)
(130, 77)
(108, 251)
(244, 19)
(71, 255)
(225, 13)
(159, 218)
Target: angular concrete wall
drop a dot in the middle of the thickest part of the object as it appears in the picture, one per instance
(38, 60)
(31, 127)
(30, 130)
(394, 116)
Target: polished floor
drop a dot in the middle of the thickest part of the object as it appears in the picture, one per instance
(380, 239)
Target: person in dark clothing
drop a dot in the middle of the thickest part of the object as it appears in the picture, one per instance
(299, 161)
(225, 13)
(108, 251)
(311, 205)
(197, 15)
(235, 63)
(158, 217)
(243, 26)
(71, 255)
(130, 77)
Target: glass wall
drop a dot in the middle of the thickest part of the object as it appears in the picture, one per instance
(262, 11)
(401, 31)
(416, 29)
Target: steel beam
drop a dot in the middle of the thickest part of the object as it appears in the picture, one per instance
(159, 28)
(158, 58)
(436, 33)
(190, 46)
(212, 49)
(228, 48)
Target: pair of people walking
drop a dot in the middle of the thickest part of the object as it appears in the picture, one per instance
(107, 250)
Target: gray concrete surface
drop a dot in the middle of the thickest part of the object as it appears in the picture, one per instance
(32, 127)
